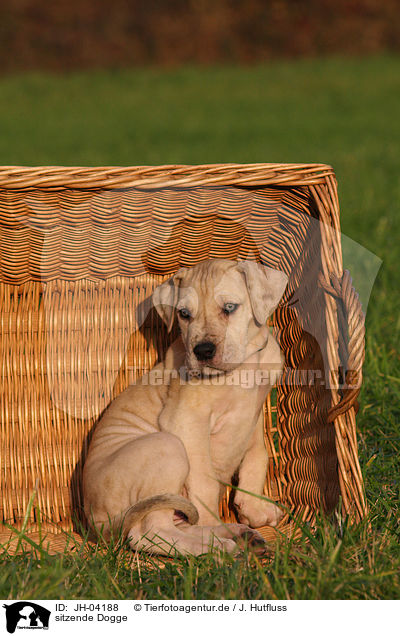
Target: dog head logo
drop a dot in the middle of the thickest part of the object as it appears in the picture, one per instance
(26, 615)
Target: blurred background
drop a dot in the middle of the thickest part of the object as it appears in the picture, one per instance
(72, 34)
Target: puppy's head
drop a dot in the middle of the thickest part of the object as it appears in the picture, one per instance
(220, 306)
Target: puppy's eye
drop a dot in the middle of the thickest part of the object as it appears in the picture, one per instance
(184, 313)
(229, 308)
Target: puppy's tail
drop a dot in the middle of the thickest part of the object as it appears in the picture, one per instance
(133, 515)
(139, 510)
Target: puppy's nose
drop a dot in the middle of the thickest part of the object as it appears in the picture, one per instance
(204, 350)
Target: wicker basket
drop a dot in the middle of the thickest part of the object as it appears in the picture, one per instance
(81, 251)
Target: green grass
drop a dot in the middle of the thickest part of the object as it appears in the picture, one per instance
(340, 562)
(341, 112)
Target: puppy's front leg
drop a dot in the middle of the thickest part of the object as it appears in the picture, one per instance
(251, 509)
(188, 417)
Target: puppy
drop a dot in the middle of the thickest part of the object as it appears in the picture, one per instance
(164, 448)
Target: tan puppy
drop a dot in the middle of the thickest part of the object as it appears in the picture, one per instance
(168, 442)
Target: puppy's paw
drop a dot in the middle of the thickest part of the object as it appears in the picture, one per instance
(253, 541)
(256, 512)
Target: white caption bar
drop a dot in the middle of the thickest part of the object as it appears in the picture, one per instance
(124, 617)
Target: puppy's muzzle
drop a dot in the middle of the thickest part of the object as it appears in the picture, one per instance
(204, 351)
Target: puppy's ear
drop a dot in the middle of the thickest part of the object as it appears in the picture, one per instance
(265, 287)
(165, 298)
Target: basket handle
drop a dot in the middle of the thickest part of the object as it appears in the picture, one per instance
(350, 315)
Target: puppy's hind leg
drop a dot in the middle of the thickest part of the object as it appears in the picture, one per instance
(138, 489)
(159, 535)
(149, 522)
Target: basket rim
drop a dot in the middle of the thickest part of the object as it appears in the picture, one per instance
(168, 175)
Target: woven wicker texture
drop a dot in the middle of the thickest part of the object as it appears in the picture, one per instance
(81, 251)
